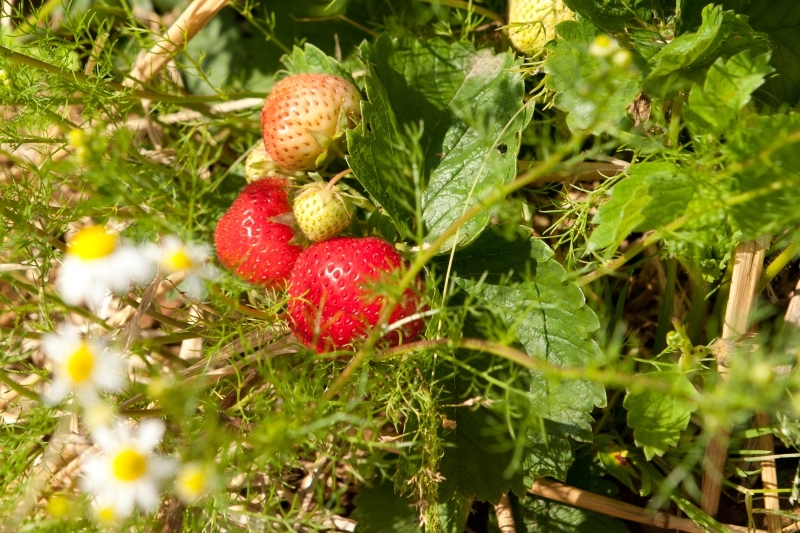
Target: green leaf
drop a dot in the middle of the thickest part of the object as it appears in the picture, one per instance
(594, 93)
(617, 218)
(765, 190)
(374, 155)
(650, 196)
(473, 465)
(726, 91)
(658, 417)
(617, 15)
(228, 57)
(470, 105)
(548, 315)
(684, 61)
(698, 516)
(310, 59)
(493, 255)
(545, 516)
(379, 509)
(780, 20)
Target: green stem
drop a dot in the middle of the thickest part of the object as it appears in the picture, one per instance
(665, 311)
(780, 262)
(79, 77)
(426, 254)
(11, 384)
(675, 121)
(468, 6)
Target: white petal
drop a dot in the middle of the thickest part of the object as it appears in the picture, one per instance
(194, 287)
(147, 494)
(150, 432)
(125, 502)
(57, 391)
(106, 438)
(87, 395)
(72, 281)
(133, 265)
(109, 374)
(161, 467)
(95, 474)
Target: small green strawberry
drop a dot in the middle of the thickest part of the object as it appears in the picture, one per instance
(321, 211)
(260, 165)
(532, 23)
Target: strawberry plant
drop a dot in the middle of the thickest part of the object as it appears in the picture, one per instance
(421, 265)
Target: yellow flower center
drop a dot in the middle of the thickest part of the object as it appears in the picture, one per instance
(92, 243)
(602, 40)
(80, 364)
(105, 515)
(193, 482)
(129, 465)
(177, 260)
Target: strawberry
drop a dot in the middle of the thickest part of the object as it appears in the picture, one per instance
(331, 302)
(301, 117)
(259, 164)
(248, 242)
(321, 211)
(532, 23)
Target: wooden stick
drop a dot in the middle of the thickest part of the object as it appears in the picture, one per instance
(748, 261)
(191, 21)
(769, 476)
(591, 171)
(552, 490)
(505, 515)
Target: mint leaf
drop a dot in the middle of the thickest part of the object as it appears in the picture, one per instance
(726, 91)
(658, 417)
(470, 105)
(374, 155)
(545, 516)
(548, 315)
(594, 95)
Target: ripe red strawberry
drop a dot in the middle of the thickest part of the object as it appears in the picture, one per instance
(250, 243)
(331, 298)
(301, 116)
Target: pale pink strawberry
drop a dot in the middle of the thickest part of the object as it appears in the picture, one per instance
(303, 111)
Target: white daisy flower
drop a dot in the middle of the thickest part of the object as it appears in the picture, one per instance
(174, 255)
(96, 263)
(603, 46)
(126, 473)
(194, 480)
(104, 510)
(81, 365)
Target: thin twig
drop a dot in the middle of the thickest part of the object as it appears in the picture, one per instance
(552, 490)
(192, 20)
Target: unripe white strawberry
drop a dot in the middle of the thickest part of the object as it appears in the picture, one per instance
(532, 23)
(259, 164)
(321, 211)
(302, 116)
